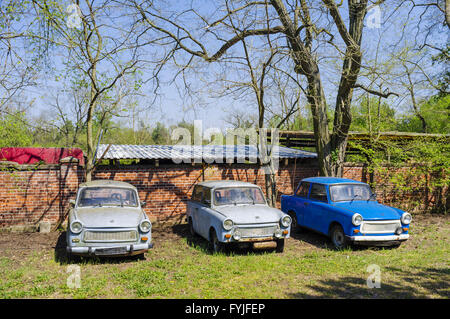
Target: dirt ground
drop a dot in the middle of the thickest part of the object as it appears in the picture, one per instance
(22, 244)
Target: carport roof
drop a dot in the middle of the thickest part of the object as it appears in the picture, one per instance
(183, 152)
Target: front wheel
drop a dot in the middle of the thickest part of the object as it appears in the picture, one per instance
(338, 238)
(215, 245)
(280, 245)
(294, 225)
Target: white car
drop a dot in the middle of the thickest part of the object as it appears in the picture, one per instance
(107, 219)
(227, 212)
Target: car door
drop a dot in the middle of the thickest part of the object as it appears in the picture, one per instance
(194, 205)
(316, 207)
(301, 201)
(204, 213)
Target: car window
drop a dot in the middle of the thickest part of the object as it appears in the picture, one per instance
(206, 196)
(350, 192)
(107, 196)
(318, 192)
(303, 190)
(238, 195)
(197, 193)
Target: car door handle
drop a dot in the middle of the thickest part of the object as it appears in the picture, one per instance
(306, 204)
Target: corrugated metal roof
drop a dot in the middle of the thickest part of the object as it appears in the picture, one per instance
(185, 152)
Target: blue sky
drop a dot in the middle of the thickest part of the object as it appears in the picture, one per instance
(172, 107)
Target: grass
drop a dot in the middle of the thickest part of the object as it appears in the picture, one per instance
(182, 267)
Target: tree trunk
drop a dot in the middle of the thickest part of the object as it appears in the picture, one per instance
(447, 12)
(316, 99)
(349, 75)
(89, 133)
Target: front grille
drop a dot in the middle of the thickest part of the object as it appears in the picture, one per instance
(257, 231)
(110, 236)
(379, 227)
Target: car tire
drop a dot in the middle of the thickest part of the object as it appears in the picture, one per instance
(215, 245)
(280, 245)
(338, 238)
(191, 227)
(294, 225)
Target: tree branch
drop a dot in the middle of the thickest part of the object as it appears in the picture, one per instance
(385, 94)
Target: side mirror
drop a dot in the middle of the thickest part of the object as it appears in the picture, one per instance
(143, 204)
(72, 202)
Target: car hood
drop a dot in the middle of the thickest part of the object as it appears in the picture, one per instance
(251, 214)
(370, 210)
(109, 216)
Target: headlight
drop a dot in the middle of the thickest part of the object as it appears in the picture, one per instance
(357, 219)
(406, 218)
(76, 227)
(286, 221)
(278, 233)
(227, 224)
(237, 235)
(145, 226)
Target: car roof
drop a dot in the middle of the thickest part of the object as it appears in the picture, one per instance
(106, 183)
(330, 180)
(226, 183)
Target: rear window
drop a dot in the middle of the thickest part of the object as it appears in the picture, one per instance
(303, 190)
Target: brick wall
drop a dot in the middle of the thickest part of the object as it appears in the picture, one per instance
(166, 188)
(30, 194)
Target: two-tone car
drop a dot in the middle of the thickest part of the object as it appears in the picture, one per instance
(347, 211)
(234, 212)
(107, 219)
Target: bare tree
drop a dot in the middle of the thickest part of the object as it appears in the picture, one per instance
(18, 66)
(101, 46)
(298, 23)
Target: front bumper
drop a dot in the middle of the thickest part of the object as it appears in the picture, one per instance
(381, 240)
(125, 250)
(255, 233)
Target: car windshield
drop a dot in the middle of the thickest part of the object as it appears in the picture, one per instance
(350, 192)
(107, 196)
(238, 195)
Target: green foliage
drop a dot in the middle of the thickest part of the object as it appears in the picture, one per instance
(435, 111)
(298, 123)
(14, 131)
(373, 115)
(160, 134)
(415, 172)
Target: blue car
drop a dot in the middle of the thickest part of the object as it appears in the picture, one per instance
(347, 211)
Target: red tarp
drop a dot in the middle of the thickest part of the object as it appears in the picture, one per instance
(32, 155)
